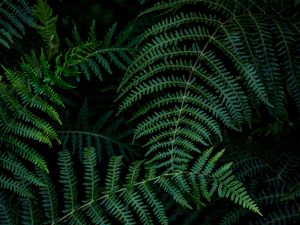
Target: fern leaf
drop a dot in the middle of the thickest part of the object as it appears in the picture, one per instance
(97, 215)
(113, 175)
(25, 151)
(29, 212)
(68, 179)
(12, 164)
(90, 174)
(196, 71)
(107, 134)
(49, 198)
(233, 217)
(109, 35)
(47, 28)
(119, 210)
(285, 216)
(201, 161)
(287, 39)
(229, 186)
(26, 97)
(133, 174)
(295, 193)
(157, 206)
(15, 186)
(132, 198)
(135, 200)
(99, 57)
(16, 16)
(5, 214)
(174, 192)
(270, 66)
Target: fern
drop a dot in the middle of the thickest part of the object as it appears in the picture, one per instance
(15, 17)
(47, 26)
(107, 134)
(5, 214)
(49, 198)
(271, 178)
(29, 101)
(196, 70)
(11, 163)
(196, 73)
(284, 215)
(233, 217)
(29, 212)
(100, 58)
(294, 193)
(31, 88)
(15, 111)
(123, 198)
(29, 104)
(14, 186)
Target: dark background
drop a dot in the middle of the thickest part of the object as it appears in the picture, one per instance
(105, 13)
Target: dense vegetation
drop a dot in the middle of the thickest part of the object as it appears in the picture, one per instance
(179, 112)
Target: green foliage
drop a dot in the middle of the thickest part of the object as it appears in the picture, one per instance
(102, 55)
(199, 70)
(271, 180)
(107, 134)
(5, 216)
(293, 193)
(22, 91)
(47, 26)
(13, 21)
(124, 197)
(195, 74)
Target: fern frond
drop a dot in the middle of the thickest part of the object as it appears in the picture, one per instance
(268, 170)
(47, 26)
(113, 174)
(24, 150)
(5, 214)
(107, 134)
(109, 35)
(15, 186)
(12, 164)
(68, 180)
(30, 214)
(118, 210)
(174, 191)
(28, 106)
(196, 71)
(249, 167)
(135, 200)
(288, 47)
(233, 217)
(15, 16)
(49, 198)
(96, 214)
(229, 187)
(154, 203)
(295, 193)
(101, 56)
(270, 68)
(201, 161)
(90, 174)
(284, 215)
(132, 198)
